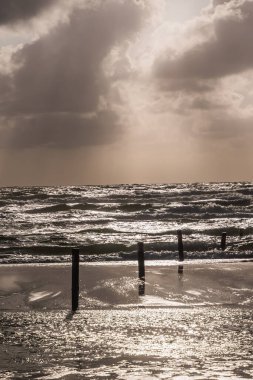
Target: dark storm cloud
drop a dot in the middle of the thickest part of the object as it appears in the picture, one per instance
(229, 51)
(62, 73)
(60, 131)
(12, 11)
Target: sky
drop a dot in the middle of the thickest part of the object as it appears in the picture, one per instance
(125, 91)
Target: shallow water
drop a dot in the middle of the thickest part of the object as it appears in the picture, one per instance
(135, 343)
(195, 323)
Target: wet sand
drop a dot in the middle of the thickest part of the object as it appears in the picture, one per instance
(48, 286)
(191, 325)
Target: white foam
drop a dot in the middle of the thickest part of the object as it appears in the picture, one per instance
(60, 374)
(35, 296)
(56, 294)
(159, 301)
(193, 292)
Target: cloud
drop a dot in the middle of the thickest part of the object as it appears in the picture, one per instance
(62, 73)
(227, 51)
(207, 79)
(59, 130)
(12, 11)
(220, 2)
(225, 128)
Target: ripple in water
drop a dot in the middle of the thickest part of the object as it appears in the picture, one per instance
(43, 223)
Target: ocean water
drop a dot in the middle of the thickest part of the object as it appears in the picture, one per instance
(42, 224)
(195, 324)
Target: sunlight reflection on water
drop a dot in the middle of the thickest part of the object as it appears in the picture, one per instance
(140, 343)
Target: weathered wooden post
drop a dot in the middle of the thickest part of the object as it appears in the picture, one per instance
(180, 245)
(75, 278)
(141, 288)
(223, 241)
(141, 264)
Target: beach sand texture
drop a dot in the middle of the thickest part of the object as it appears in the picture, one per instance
(196, 324)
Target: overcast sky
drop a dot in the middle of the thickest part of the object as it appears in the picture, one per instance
(125, 91)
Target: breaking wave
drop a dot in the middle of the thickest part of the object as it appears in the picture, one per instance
(106, 222)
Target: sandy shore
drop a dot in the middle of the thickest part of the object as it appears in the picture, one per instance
(191, 325)
(48, 286)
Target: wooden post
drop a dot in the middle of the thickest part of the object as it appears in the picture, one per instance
(75, 278)
(223, 241)
(141, 288)
(180, 245)
(141, 264)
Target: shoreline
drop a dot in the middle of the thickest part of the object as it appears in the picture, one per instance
(193, 324)
(48, 286)
(133, 262)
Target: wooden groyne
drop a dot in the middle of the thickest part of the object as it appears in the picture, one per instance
(141, 265)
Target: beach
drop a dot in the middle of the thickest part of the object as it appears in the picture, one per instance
(126, 188)
(187, 322)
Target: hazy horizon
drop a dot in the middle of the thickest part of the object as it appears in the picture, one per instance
(112, 184)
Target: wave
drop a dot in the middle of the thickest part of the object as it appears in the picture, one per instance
(133, 207)
(85, 206)
(223, 202)
(47, 257)
(98, 230)
(3, 203)
(48, 209)
(191, 244)
(61, 207)
(5, 238)
(48, 221)
(247, 191)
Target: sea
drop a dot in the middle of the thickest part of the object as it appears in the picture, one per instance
(43, 224)
(192, 324)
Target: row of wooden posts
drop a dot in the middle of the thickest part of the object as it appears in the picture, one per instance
(141, 265)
